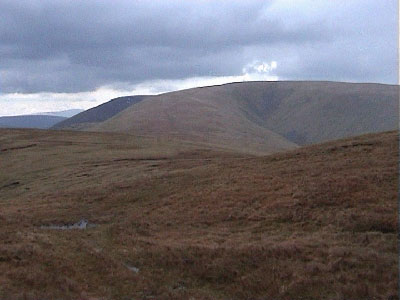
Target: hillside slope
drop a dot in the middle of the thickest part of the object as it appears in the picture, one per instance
(99, 113)
(252, 117)
(208, 118)
(314, 112)
(173, 220)
(30, 121)
(261, 113)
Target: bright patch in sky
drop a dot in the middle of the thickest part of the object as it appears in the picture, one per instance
(21, 104)
(260, 67)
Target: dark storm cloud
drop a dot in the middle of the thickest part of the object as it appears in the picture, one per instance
(71, 46)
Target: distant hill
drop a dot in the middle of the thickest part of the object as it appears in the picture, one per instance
(99, 113)
(63, 113)
(258, 117)
(30, 121)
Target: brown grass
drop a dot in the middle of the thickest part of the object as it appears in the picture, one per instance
(266, 117)
(315, 223)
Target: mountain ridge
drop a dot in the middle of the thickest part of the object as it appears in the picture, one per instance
(99, 113)
(30, 121)
(68, 113)
(259, 116)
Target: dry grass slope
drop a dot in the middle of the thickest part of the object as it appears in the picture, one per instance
(266, 117)
(198, 115)
(99, 113)
(318, 222)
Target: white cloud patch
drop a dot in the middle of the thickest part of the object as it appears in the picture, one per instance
(260, 67)
(20, 104)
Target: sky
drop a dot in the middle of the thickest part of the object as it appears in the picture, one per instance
(62, 54)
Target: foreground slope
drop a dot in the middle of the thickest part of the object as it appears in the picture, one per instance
(263, 113)
(178, 221)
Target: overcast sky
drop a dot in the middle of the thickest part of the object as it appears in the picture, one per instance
(61, 54)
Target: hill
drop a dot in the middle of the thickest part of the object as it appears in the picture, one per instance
(260, 117)
(99, 113)
(63, 113)
(30, 121)
(169, 219)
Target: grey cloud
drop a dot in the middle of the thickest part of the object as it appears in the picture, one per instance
(71, 46)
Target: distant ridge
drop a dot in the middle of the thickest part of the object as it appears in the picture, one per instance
(62, 113)
(99, 113)
(30, 121)
(257, 117)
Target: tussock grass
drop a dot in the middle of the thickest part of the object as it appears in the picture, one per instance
(315, 223)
